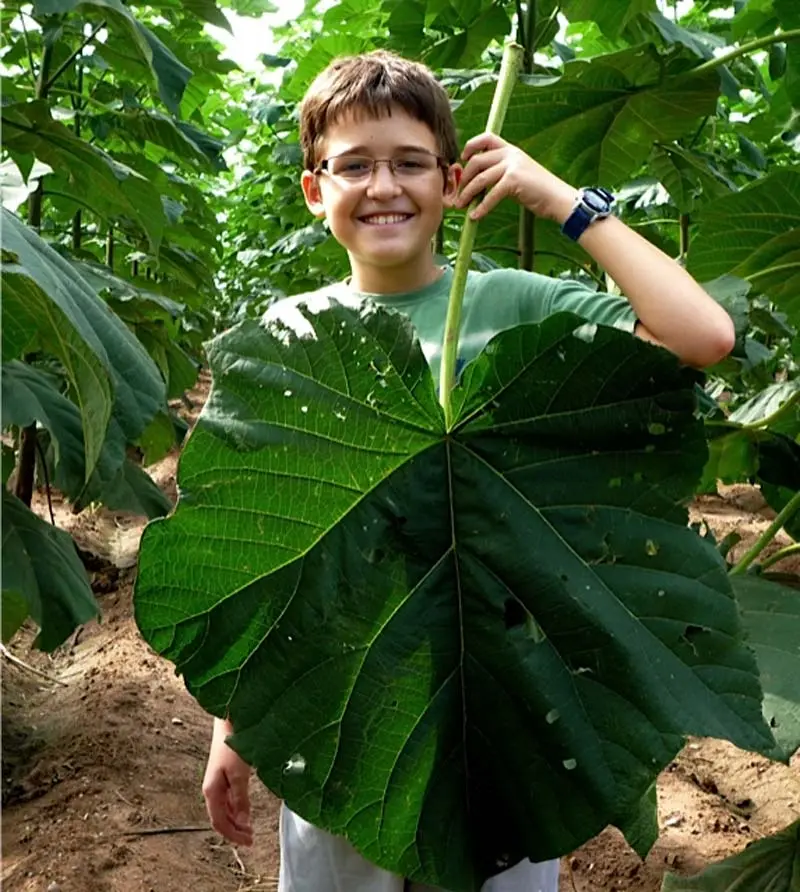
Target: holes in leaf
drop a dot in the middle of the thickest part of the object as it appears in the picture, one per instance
(516, 615)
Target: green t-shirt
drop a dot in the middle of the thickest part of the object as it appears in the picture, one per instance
(493, 301)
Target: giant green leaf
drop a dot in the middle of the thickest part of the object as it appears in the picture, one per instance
(170, 73)
(770, 865)
(95, 180)
(29, 396)
(755, 235)
(456, 649)
(48, 306)
(771, 617)
(41, 565)
(600, 120)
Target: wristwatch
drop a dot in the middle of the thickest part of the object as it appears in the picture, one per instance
(593, 203)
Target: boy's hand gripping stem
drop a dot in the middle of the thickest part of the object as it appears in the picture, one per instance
(509, 68)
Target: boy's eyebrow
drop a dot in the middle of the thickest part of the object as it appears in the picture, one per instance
(364, 150)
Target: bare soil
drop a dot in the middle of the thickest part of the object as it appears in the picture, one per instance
(103, 759)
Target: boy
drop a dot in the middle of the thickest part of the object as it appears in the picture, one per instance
(380, 154)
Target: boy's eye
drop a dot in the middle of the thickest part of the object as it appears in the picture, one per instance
(413, 163)
(352, 166)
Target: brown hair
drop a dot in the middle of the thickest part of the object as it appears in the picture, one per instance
(370, 84)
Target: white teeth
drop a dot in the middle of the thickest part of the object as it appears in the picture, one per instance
(385, 219)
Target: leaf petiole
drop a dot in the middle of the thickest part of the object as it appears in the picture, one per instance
(509, 68)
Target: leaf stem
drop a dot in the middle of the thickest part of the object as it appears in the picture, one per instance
(778, 413)
(73, 56)
(719, 61)
(789, 550)
(788, 511)
(509, 68)
(31, 63)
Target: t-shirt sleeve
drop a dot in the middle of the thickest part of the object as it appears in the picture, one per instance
(566, 295)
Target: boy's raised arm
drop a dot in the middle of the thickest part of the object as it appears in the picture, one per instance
(673, 310)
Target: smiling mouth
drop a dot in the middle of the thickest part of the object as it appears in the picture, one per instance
(385, 219)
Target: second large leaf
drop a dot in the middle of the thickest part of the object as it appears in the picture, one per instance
(457, 649)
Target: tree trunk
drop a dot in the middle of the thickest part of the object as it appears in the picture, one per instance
(526, 241)
(26, 467)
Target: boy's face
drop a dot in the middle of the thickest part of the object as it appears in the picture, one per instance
(384, 221)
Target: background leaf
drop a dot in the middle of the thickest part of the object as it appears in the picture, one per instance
(770, 865)
(755, 234)
(771, 617)
(40, 564)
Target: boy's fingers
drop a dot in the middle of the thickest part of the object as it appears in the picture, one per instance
(481, 143)
(478, 184)
(490, 200)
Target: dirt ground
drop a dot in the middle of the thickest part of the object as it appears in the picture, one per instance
(103, 758)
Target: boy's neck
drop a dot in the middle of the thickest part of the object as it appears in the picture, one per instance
(401, 279)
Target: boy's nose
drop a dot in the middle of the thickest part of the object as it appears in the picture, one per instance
(382, 182)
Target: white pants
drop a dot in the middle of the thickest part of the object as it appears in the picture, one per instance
(313, 860)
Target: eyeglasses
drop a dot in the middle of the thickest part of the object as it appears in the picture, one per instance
(405, 166)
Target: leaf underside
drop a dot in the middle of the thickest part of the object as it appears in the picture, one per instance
(456, 649)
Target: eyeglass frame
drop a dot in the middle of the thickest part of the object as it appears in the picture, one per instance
(441, 163)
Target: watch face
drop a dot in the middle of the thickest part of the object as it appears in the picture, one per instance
(595, 202)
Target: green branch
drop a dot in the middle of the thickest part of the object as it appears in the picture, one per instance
(786, 514)
(512, 57)
(786, 552)
(31, 63)
(73, 56)
(719, 61)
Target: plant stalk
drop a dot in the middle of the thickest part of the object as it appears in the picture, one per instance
(782, 410)
(527, 221)
(786, 552)
(110, 248)
(77, 231)
(788, 511)
(509, 68)
(26, 468)
(684, 236)
(719, 61)
(73, 56)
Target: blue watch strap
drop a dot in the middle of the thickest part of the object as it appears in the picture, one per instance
(593, 203)
(577, 222)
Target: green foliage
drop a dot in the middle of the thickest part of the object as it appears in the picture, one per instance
(44, 310)
(143, 50)
(104, 318)
(532, 551)
(771, 617)
(755, 234)
(769, 865)
(41, 567)
(138, 117)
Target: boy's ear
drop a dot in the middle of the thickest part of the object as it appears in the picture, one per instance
(452, 182)
(312, 194)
